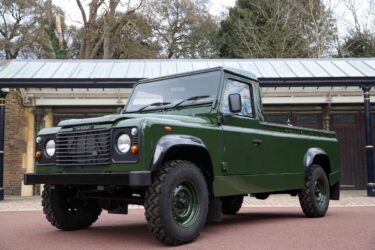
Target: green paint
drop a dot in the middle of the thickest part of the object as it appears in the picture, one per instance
(248, 155)
(263, 183)
(185, 204)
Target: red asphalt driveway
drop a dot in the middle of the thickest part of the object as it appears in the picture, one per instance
(252, 228)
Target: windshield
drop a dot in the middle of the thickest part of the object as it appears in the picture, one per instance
(178, 91)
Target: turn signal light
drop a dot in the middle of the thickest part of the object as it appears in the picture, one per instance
(167, 129)
(134, 149)
(38, 154)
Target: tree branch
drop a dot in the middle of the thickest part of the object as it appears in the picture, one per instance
(82, 11)
(95, 50)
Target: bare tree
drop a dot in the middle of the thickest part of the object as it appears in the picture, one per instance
(364, 20)
(353, 9)
(173, 21)
(360, 40)
(135, 40)
(92, 41)
(260, 28)
(49, 34)
(277, 28)
(319, 25)
(31, 29)
(15, 26)
(202, 41)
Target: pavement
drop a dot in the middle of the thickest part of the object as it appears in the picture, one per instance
(275, 223)
(253, 228)
(349, 198)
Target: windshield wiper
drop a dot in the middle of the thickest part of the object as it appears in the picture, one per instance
(153, 104)
(192, 98)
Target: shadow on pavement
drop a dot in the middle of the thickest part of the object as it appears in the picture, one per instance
(136, 233)
(255, 217)
(125, 234)
(252, 218)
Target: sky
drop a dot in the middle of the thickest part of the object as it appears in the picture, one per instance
(218, 6)
(345, 20)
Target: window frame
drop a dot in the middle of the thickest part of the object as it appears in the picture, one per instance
(240, 80)
(172, 78)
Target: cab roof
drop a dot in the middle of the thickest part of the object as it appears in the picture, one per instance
(238, 72)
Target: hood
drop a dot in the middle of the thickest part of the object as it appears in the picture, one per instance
(111, 119)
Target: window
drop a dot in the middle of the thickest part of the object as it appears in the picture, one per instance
(232, 87)
(344, 118)
(174, 90)
(307, 118)
(280, 119)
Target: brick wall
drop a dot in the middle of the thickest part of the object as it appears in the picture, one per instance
(15, 144)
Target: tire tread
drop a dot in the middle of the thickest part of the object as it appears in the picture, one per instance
(152, 208)
(49, 212)
(305, 197)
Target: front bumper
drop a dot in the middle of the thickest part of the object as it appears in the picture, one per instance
(133, 178)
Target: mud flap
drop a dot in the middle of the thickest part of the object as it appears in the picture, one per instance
(214, 210)
(335, 191)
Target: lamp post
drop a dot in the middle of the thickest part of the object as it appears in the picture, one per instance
(369, 146)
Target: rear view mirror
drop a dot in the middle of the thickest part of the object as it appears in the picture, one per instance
(235, 104)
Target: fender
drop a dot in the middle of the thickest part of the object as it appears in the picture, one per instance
(310, 155)
(169, 141)
(307, 162)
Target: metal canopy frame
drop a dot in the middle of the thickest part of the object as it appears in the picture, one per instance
(317, 82)
(67, 83)
(129, 83)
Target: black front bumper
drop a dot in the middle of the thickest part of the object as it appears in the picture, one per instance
(133, 178)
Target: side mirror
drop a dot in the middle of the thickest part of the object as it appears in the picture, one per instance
(235, 104)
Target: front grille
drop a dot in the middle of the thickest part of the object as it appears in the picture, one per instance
(83, 148)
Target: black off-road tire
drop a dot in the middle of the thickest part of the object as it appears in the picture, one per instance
(65, 211)
(230, 205)
(315, 196)
(163, 201)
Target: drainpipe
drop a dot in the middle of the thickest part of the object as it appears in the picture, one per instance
(327, 112)
(2, 130)
(369, 146)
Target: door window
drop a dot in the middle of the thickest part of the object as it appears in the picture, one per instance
(233, 87)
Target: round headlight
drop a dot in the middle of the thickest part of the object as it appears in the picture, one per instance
(123, 143)
(50, 148)
(38, 139)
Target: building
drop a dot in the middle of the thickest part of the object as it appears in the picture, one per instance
(30, 107)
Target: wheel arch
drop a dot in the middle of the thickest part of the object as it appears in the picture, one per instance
(319, 157)
(183, 147)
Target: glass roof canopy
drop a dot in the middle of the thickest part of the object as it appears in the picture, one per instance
(124, 73)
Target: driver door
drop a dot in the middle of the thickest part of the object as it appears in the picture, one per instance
(243, 151)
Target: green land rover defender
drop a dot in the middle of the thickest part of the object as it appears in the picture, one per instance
(188, 147)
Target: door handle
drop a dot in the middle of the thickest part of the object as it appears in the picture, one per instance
(257, 142)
